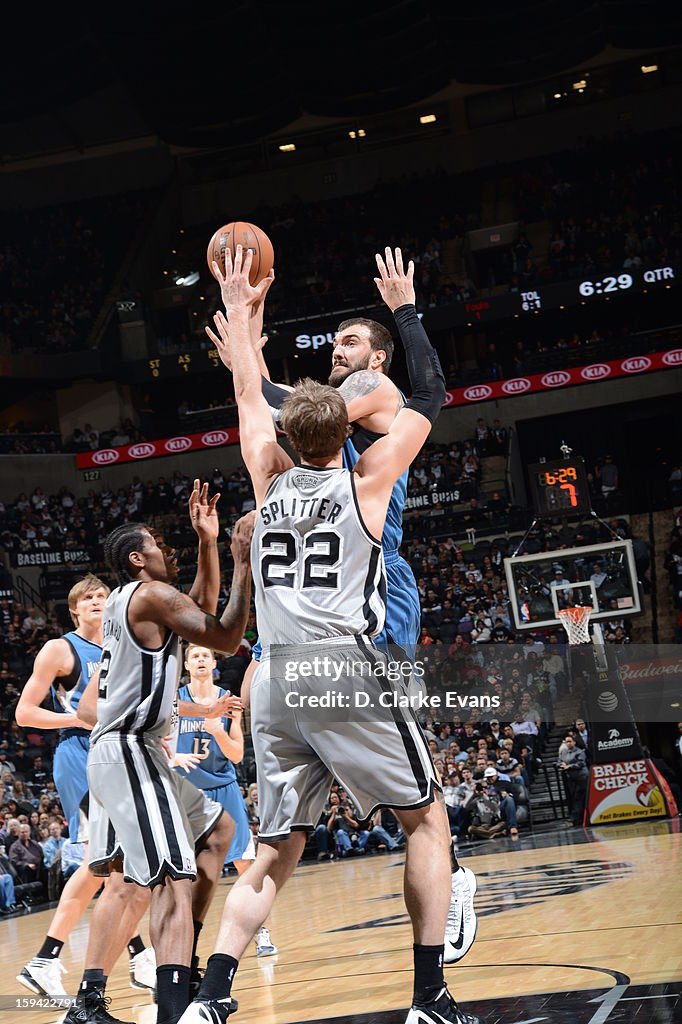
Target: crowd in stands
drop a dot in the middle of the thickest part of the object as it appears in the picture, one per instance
(605, 209)
(486, 762)
(611, 207)
(673, 567)
(56, 266)
(19, 439)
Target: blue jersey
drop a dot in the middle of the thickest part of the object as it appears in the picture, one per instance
(392, 537)
(215, 769)
(68, 690)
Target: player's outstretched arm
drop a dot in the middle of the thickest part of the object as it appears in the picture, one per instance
(396, 287)
(54, 660)
(263, 456)
(203, 515)
(387, 459)
(160, 603)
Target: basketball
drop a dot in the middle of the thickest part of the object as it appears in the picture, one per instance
(238, 232)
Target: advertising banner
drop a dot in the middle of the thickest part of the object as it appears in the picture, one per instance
(26, 559)
(627, 791)
(156, 449)
(552, 380)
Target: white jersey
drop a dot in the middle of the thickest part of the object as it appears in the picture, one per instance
(137, 686)
(318, 572)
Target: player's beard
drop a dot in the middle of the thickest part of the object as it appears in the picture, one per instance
(340, 371)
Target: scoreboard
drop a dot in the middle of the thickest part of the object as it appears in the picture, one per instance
(560, 488)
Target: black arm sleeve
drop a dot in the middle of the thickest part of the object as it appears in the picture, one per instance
(273, 394)
(423, 365)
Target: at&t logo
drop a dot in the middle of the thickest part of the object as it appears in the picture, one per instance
(516, 386)
(557, 379)
(597, 371)
(214, 437)
(607, 701)
(673, 358)
(141, 451)
(178, 444)
(636, 364)
(478, 393)
(106, 456)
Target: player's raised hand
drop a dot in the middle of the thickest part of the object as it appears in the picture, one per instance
(221, 340)
(236, 290)
(203, 513)
(395, 284)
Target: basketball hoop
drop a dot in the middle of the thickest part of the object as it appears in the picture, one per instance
(576, 622)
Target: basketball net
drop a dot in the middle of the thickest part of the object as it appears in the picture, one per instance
(576, 622)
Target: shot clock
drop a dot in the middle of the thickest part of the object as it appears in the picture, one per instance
(560, 488)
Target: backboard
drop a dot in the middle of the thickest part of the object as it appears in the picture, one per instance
(602, 576)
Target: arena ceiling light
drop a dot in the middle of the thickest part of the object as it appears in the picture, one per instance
(427, 119)
(359, 134)
(580, 85)
(189, 280)
(287, 147)
(646, 69)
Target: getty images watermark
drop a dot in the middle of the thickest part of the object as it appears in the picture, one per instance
(342, 680)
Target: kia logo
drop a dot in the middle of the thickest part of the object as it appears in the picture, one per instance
(636, 364)
(141, 451)
(215, 437)
(178, 444)
(476, 394)
(449, 398)
(556, 379)
(596, 371)
(106, 456)
(516, 386)
(673, 358)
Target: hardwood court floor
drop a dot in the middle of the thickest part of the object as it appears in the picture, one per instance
(558, 913)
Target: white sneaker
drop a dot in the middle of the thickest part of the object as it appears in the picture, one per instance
(264, 944)
(441, 1010)
(460, 930)
(43, 976)
(209, 1011)
(143, 969)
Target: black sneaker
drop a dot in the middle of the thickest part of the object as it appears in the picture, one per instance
(209, 1011)
(441, 1010)
(92, 1008)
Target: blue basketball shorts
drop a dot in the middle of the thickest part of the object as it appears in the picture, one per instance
(70, 772)
(231, 800)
